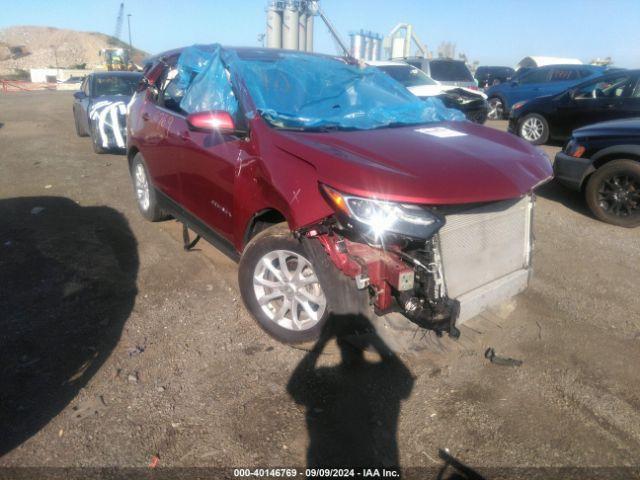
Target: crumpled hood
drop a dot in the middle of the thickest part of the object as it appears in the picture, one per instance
(441, 163)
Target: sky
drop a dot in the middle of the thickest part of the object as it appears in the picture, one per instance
(493, 32)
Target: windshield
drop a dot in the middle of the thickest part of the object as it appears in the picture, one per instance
(450, 71)
(407, 75)
(115, 85)
(307, 92)
(494, 72)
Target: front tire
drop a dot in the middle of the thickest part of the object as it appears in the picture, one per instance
(144, 190)
(95, 142)
(613, 193)
(281, 288)
(534, 129)
(79, 131)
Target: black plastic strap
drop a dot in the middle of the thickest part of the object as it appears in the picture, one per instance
(188, 244)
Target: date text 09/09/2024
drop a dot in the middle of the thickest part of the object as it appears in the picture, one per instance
(317, 472)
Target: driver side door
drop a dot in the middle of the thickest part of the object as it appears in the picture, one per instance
(597, 101)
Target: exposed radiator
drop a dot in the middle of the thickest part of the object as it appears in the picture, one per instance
(486, 243)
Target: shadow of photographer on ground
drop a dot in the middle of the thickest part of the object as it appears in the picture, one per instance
(352, 408)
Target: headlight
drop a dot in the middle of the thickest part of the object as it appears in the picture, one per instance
(518, 105)
(574, 149)
(377, 217)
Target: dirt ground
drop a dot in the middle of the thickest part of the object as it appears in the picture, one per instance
(117, 345)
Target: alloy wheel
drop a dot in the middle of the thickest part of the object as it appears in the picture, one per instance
(619, 195)
(532, 129)
(288, 290)
(142, 186)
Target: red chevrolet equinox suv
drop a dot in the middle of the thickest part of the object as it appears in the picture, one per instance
(334, 186)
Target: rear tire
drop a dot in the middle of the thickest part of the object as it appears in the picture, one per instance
(534, 129)
(144, 191)
(613, 193)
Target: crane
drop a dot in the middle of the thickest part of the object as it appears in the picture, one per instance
(119, 21)
(117, 58)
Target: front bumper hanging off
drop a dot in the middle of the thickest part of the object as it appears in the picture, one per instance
(484, 257)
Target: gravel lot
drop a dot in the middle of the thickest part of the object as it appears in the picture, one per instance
(117, 345)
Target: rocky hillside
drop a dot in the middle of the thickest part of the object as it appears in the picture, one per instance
(24, 47)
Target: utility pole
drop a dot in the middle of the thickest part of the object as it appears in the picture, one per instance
(129, 25)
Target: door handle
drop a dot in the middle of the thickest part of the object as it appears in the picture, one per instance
(184, 135)
(145, 116)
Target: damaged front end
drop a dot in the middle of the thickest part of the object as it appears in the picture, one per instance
(437, 266)
(474, 106)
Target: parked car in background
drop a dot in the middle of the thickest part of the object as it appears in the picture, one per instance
(100, 108)
(335, 186)
(603, 161)
(536, 82)
(472, 103)
(489, 76)
(444, 70)
(607, 97)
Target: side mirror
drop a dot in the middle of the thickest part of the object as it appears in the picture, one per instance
(214, 121)
(79, 95)
(514, 83)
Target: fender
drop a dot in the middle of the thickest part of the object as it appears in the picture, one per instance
(616, 151)
(286, 183)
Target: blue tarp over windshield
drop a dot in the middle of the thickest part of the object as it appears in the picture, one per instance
(301, 91)
(203, 76)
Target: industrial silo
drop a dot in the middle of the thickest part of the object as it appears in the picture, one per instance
(309, 32)
(368, 47)
(274, 25)
(290, 25)
(376, 49)
(357, 45)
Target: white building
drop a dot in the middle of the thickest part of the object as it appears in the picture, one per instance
(538, 61)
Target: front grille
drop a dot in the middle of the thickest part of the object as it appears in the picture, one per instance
(485, 243)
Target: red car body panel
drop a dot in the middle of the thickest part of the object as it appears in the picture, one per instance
(402, 164)
(225, 181)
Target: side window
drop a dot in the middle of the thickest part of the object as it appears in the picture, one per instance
(535, 76)
(612, 87)
(563, 75)
(636, 90)
(170, 92)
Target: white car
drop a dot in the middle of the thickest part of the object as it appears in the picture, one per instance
(473, 103)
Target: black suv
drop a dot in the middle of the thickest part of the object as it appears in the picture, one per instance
(603, 161)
